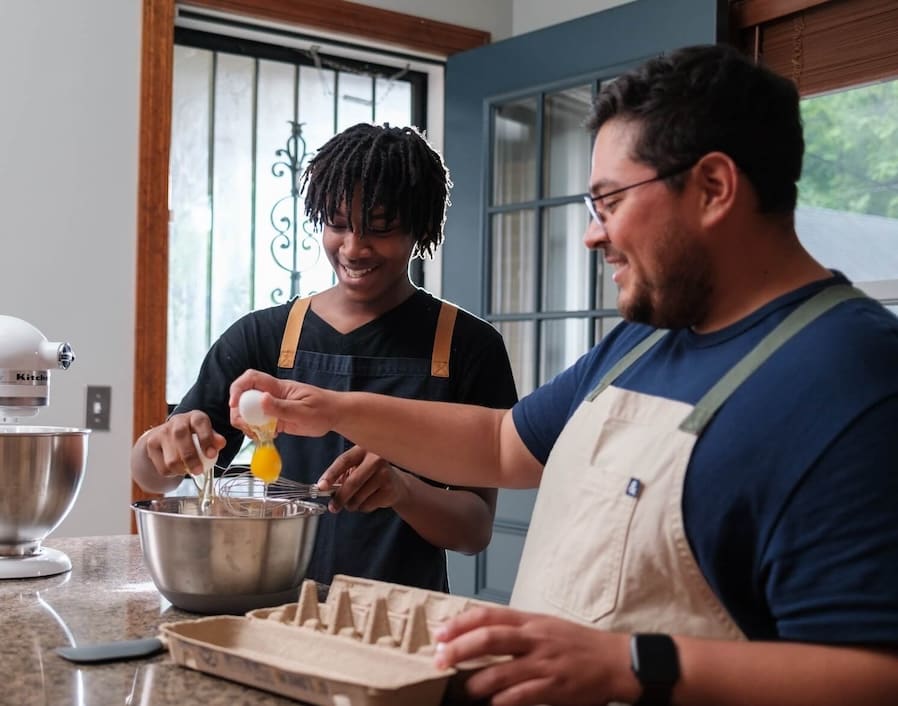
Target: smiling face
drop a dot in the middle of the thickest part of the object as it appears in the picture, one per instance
(661, 267)
(371, 267)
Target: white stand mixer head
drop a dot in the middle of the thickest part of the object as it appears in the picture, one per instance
(26, 358)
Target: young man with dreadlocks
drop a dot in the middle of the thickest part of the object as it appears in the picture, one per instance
(379, 194)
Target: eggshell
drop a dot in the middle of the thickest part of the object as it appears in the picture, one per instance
(250, 407)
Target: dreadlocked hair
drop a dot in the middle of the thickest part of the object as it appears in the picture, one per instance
(393, 168)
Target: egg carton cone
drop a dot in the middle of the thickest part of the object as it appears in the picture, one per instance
(412, 614)
(370, 643)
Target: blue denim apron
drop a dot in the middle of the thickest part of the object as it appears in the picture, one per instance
(379, 544)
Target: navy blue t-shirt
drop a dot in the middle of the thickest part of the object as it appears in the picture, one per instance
(791, 495)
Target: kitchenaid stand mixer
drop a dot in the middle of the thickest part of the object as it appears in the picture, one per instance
(41, 467)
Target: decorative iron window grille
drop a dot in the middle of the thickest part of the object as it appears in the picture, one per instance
(238, 239)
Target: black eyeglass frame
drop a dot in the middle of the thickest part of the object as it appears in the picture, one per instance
(590, 200)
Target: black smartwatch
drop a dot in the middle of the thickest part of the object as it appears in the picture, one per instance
(654, 661)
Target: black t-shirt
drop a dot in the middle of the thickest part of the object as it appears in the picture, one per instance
(389, 355)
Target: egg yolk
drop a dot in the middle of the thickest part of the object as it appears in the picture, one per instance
(266, 463)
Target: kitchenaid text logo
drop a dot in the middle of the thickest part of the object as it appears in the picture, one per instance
(31, 377)
(23, 377)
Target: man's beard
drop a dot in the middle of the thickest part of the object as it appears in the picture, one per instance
(680, 294)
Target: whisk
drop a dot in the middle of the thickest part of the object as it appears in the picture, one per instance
(206, 489)
(239, 493)
(245, 494)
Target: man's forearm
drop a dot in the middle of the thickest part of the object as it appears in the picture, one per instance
(717, 673)
(451, 443)
(455, 519)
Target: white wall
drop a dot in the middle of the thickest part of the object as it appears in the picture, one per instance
(493, 16)
(69, 84)
(530, 15)
(501, 18)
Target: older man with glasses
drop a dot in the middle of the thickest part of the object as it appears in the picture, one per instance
(717, 517)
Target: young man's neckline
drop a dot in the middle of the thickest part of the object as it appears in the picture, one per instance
(363, 318)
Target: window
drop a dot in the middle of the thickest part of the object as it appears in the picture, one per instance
(420, 42)
(843, 56)
(848, 195)
(548, 297)
(246, 115)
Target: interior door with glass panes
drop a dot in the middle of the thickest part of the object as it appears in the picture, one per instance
(520, 158)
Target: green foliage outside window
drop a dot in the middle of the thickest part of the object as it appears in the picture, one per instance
(851, 152)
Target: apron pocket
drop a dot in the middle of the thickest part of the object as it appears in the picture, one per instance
(585, 584)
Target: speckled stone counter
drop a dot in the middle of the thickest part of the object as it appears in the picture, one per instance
(108, 595)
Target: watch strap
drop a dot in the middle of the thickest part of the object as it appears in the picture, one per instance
(654, 695)
(656, 664)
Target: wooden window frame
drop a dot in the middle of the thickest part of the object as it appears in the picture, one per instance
(822, 45)
(751, 13)
(157, 61)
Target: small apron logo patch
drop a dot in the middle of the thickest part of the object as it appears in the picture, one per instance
(634, 488)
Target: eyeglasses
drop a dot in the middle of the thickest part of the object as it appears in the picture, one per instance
(590, 200)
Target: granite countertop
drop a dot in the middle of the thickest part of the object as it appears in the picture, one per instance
(108, 595)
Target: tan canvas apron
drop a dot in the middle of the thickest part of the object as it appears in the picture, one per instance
(606, 544)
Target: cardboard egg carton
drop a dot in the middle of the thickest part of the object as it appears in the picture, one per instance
(373, 612)
(369, 644)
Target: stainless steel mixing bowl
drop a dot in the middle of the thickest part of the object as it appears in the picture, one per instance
(41, 469)
(216, 562)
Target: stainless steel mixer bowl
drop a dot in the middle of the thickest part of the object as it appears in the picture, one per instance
(41, 469)
(221, 563)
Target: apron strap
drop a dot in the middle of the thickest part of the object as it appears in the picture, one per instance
(814, 307)
(626, 361)
(442, 341)
(291, 332)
